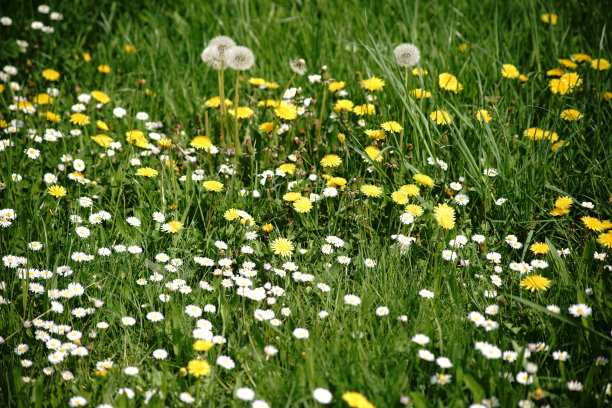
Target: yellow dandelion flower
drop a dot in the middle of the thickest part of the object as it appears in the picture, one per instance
(100, 96)
(172, 227)
(559, 87)
(441, 117)
(535, 282)
(356, 400)
(392, 126)
(510, 71)
(605, 239)
(399, 197)
(137, 138)
(600, 64)
(101, 125)
(419, 71)
(365, 109)
(336, 182)
(592, 223)
(79, 119)
(272, 85)
(607, 224)
(331, 160)
(147, 172)
(549, 18)
(343, 105)
(50, 74)
(376, 134)
(445, 216)
(257, 81)
(286, 111)
(102, 140)
(287, 168)
(373, 84)
(557, 212)
(370, 190)
(56, 191)
(267, 228)
(104, 69)
(292, 196)
(302, 205)
(373, 153)
(572, 79)
(568, 63)
(523, 78)
(231, 214)
(42, 99)
(413, 191)
(571, 115)
(449, 82)
(420, 93)
(215, 102)
(555, 72)
(202, 345)
(563, 202)
(267, 127)
(414, 209)
(581, 57)
(243, 112)
(335, 86)
(483, 115)
(268, 103)
(213, 185)
(201, 143)
(198, 368)
(52, 117)
(423, 180)
(129, 48)
(282, 247)
(539, 248)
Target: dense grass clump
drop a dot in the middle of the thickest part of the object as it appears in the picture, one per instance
(355, 203)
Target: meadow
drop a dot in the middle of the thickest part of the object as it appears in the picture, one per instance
(305, 203)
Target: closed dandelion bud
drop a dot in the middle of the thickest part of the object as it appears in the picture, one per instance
(298, 65)
(183, 372)
(407, 55)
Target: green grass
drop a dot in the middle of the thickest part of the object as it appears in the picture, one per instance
(352, 349)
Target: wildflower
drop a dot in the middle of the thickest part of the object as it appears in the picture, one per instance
(449, 82)
(56, 191)
(600, 64)
(198, 368)
(580, 310)
(549, 18)
(441, 117)
(510, 71)
(423, 180)
(356, 400)
(245, 394)
(574, 385)
(535, 282)
(483, 116)
(298, 65)
(104, 69)
(427, 294)
(147, 172)
(172, 227)
(371, 190)
(352, 300)
(301, 333)
(372, 84)
(215, 53)
(302, 205)
(50, 74)
(571, 115)
(79, 119)
(343, 105)
(391, 126)
(322, 396)
(282, 247)
(286, 111)
(240, 58)
(213, 185)
(539, 248)
(331, 160)
(605, 239)
(419, 93)
(445, 216)
(407, 55)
